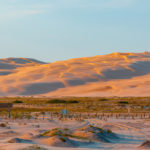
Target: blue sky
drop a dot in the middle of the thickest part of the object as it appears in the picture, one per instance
(52, 30)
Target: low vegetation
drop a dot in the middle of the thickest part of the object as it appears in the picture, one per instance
(59, 101)
(23, 106)
(34, 147)
(17, 101)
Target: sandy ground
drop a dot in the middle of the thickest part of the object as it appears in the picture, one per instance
(131, 134)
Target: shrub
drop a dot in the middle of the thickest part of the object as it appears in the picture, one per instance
(17, 101)
(62, 139)
(56, 101)
(109, 131)
(103, 99)
(3, 125)
(123, 102)
(52, 132)
(35, 147)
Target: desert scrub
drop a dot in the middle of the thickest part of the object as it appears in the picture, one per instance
(66, 129)
(123, 102)
(109, 131)
(103, 100)
(52, 132)
(45, 133)
(62, 139)
(74, 136)
(59, 101)
(17, 101)
(92, 131)
(3, 125)
(34, 147)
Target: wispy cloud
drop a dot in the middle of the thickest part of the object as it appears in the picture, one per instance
(13, 14)
(14, 9)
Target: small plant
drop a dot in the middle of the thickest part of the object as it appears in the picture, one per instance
(72, 101)
(62, 139)
(3, 125)
(17, 101)
(66, 129)
(123, 102)
(35, 147)
(45, 133)
(103, 99)
(109, 131)
(55, 101)
(92, 131)
(52, 132)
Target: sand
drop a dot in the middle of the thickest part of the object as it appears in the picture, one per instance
(87, 135)
(116, 74)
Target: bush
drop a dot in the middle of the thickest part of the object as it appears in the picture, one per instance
(72, 101)
(62, 139)
(3, 125)
(123, 102)
(17, 101)
(56, 101)
(109, 131)
(35, 147)
(103, 99)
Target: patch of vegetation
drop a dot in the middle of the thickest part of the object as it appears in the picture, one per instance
(109, 131)
(62, 139)
(103, 99)
(74, 136)
(17, 101)
(52, 132)
(92, 131)
(56, 101)
(59, 101)
(123, 102)
(34, 147)
(45, 133)
(3, 125)
(66, 129)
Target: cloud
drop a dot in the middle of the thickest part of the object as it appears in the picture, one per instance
(18, 13)
(10, 10)
(15, 9)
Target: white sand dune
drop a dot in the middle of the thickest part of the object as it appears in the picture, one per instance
(116, 74)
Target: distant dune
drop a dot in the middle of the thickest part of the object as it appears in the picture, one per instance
(116, 74)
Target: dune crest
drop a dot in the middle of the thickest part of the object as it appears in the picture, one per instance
(126, 74)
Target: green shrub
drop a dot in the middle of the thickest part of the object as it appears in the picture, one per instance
(35, 147)
(123, 102)
(3, 125)
(62, 139)
(17, 101)
(72, 101)
(57, 101)
(103, 99)
(109, 131)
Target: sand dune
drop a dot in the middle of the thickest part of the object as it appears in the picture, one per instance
(116, 74)
(129, 135)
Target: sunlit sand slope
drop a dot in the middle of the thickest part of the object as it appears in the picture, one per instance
(116, 74)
